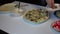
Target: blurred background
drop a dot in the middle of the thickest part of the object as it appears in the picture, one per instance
(38, 2)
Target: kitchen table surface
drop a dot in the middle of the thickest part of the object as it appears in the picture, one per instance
(15, 25)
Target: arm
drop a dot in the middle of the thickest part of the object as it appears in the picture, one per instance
(50, 3)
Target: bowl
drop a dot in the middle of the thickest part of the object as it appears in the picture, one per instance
(2, 12)
(53, 30)
(57, 13)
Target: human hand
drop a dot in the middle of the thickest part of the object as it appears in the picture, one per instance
(51, 3)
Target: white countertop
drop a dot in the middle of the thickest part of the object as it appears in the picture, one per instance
(17, 26)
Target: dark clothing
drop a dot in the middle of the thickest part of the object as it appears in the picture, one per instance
(5, 1)
(38, 2)
(3, 32)
(57, 1)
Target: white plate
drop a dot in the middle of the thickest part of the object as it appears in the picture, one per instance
(50, 9)
(2, 12)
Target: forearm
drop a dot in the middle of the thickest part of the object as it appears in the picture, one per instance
(50, 3)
